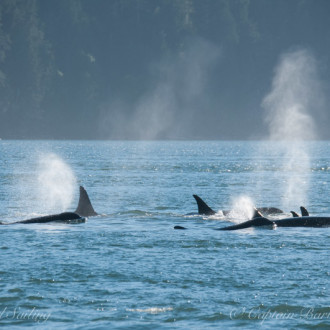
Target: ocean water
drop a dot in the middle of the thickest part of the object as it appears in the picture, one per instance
(129, 269)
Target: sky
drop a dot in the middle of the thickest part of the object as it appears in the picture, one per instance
(158, 69)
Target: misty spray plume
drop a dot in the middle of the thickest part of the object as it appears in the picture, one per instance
(167, 108)
(56, 183)
(293, 100)
(242, 208)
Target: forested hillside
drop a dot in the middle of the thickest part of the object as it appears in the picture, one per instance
(146, 69)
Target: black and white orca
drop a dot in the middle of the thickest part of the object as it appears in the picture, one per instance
(83, 210)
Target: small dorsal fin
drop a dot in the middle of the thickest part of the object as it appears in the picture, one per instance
(203, 208)
(304, 211)
(256, 214)
(294, 214)
(85, 208)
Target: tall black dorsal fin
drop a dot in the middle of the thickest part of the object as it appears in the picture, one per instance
(256, 214)
(85, 208)
(304, 212)
(294, 214)
(203, 208)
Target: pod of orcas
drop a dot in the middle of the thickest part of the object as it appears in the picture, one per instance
(259, 220)
(85, 210)
(204, 209)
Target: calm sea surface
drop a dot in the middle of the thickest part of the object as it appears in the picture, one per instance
(129, 269)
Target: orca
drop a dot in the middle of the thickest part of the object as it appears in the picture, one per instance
(204, 209)
(303, 221)
(83, 210)
(258, 220)
(180, 227)
(270, 210)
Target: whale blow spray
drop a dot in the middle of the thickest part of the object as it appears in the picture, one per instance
(294, 97)
(56, 182)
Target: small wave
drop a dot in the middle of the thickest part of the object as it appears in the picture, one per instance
(15, 290)
(135, 213)
(151, 310)
(35, 297)
(217, 216)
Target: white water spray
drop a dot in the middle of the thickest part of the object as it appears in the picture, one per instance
(242, 208)
(56, 183)
(295, 96)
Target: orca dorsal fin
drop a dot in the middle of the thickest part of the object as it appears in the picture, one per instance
(203, 208)
(294, 214)
(85, 207)
(304, 211)
(256, 214)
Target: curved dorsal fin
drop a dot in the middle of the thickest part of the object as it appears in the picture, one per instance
(256, 214)
(304, 212)
(85, 207)
(203, 208)
(294, 214)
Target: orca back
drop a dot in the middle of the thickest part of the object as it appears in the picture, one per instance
(66, 217)
(256, 222)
